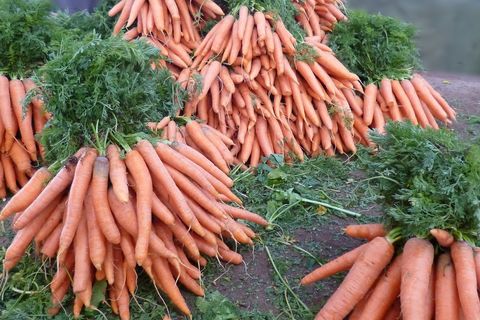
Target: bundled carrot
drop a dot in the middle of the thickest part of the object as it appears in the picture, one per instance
(319, 16)
(427, 287)
(19, 149)
(173, 215)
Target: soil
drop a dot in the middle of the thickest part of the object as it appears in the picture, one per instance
(250, 285)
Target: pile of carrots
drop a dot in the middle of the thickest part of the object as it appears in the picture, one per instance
(319, 16)
(18, 148)
(161, 207)
(421, 282)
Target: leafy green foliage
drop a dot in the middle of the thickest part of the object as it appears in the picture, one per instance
(375, 46)
(25, 35)
(293, 193)
(280, 9)
(107, 84)
(428, 179)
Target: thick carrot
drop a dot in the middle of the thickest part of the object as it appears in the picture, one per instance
(55, 187)
(425, 95)
(365, 231)
(17, 95)
(384, 294)
(166, 281)
(123, 17)
(339, 264)
(242, 21)
(404, 102)
(116, 8)
(9, 173)
(222, 33)
(144, 190)
(21, 200)
(369, 99)
(446, 295)
(161, 211)
(76, 196)
(464, 263)
(8, 117)
(99, 191)
(409, 90)
(96, 240)
(20, 157)
(335, 67)
(366, 269)
(117, 173)
(82, 261)
(476, 254)
(134, 11)
(416, 268)
(108, 264)
(52, 242)
(443, 237)
(124, 213)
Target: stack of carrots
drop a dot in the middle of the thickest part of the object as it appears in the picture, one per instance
(421, 282)
(160, 207)
(173, 25)
(319, 16)
(18, 127)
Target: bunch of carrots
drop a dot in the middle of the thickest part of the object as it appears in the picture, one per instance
(170, 22)
(421, 282)
(18, 148)
(161, 207)
(319, 16)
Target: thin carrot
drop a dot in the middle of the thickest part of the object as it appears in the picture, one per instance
(124, 213)
(464, 263)
(52, 242)
(339, 264)
(108, 264)
(99, 191)
(238, 213)
(96, 241)
(365, 231)
(8, 117)
(82, 261)
(370, 96)
(416, 268)
(366, 269)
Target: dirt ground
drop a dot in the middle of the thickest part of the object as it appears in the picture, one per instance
(250, 286)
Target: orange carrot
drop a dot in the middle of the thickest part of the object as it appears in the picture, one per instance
(144, 190)
(365, 231)
(82, 261)
(242, 21)
(8, 117)
(238, 213)
(416, 268)
(464, 263)
(404, 102)
(96, 241)
(425, 95)
(339, 264)
(53, 220)
(99, 191)
(161, 211)
(415, 102)
(124, 213)
(369, 103)
(443, 237)
(117, 173)
(446, 295)
(366, 269)
(384, 294)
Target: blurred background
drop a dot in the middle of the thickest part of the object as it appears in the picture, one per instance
(448, 31)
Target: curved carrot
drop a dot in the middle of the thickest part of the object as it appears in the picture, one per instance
(365, 231)
(99, 191)
(366, 269)
(124, 213)
(416, 268)
(339, 264)
(76, 196)
(443, 237)
(464, 263)
(117, 173)
(144, 190)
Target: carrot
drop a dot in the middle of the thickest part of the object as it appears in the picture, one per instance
(404, 102)
(247, 35)
(8, 117)
(9, 173)
(218, 143)
(242, 21)
(53, 220)
(339, 264)
(96, 241)
(384, 294)
(476, 254)
(416, 268)
(446, 295)
(365, 231)
(335, 67)
(387, 92)
(443, 237)
(76, 196)
(21, 200)
(464, 263)
(369, 103)
(221, 34)
(166, 281)
(116, 8)
(263, 139)
(415, 102)
(394, 313)
(131, 279)
(20, 157)
(123, 17)
(55, 187)
(108, 264)
(238, 213)
(99, 191)
(425, 95)
(144, 190)
(202, 162)
(366, 269)
(194, 130)
(128, 249)
(161, 211)
(17, 95)
(260, 23)
(134, 11)
(124, 213)
(305, 70)
(117, 173)
(52, 242)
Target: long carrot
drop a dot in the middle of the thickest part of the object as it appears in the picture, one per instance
(366, 269)
(446, 295)
(425, 95)
(384, 294)
(82, 261)
(76, 196)
(117, 173)
(443, 237)
(339, 264)
(99, 191)
(96, 241)
(53, 220)
(464, 263)
(8, 117)
(416, 268)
